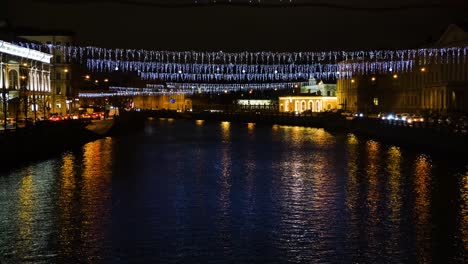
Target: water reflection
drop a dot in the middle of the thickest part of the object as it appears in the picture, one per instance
(353, 191)
(26, 219)
(96, 197)
(463, 225)
(67, 195)
(422, 175)
(225, 131)
(292, 195)
(224, 202)
(393, 169)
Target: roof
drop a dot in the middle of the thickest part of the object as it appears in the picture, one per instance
(454, 35)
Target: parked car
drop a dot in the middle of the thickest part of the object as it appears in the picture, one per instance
(55, 118)
(415, 119)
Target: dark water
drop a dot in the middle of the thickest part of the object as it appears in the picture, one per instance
(195, 192)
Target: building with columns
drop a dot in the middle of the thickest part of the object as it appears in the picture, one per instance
(432, 88)
(301, 103)
(25, 84)
(61, 70)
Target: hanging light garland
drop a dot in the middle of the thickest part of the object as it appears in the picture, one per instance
(233, 87)
(192, 66)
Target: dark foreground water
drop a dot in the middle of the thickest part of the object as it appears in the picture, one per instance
(195, 192)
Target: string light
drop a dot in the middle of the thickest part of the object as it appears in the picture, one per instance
(264, 66)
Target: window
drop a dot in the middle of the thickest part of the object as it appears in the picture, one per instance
(13, 79)
(58, 76)
(67, 76)
(58, 59)
(376, 101)
(328, 93)
(59, 90)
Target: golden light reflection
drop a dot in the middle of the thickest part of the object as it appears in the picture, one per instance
(464, 211)
(422, 175)
(393, 168)
(66, 198)
(394, 172)
(295, 135)
(352, 182)
(321, 136)
(170, 120)
(251, 126)
(225, 131)
(373, 194)
(25, 211)
(96, 190)
(352, 139)
(199, 122)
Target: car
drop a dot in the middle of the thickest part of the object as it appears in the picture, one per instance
(85, 116)
(358, 114)
(25, 121)
(55, 118)
(415, 119)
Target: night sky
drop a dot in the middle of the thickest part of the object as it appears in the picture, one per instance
(130, 24)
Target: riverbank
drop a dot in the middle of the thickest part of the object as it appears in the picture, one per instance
(46, 139)
(420, 135)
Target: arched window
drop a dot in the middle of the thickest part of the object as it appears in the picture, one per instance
(310, 105)
(13, 79)
(303, 106)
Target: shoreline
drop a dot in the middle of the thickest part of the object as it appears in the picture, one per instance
(421, 136)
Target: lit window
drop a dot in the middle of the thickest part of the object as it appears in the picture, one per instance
(376, 101)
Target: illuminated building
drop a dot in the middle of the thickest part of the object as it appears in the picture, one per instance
(24, 82)
(301, 103)
(437, 86)
(61, 70)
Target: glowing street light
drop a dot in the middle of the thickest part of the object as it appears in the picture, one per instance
(106, 80)
(395, 76)
(423, 69)
(373, 79)
(87, 77)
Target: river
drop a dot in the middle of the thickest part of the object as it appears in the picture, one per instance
(184, 191)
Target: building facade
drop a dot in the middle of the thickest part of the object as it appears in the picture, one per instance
(61, 70)
(320, 88)
(25, 84)
(178, 102)
(431, 88)
(301, 103)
